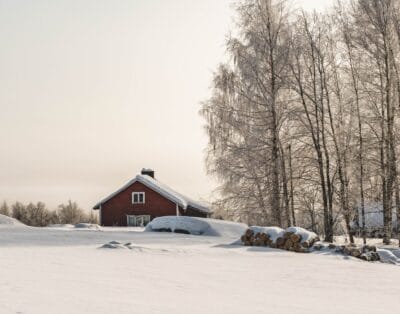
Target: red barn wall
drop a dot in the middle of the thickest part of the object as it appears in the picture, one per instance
(114, 211)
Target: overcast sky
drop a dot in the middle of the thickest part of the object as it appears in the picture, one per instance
(92, 91)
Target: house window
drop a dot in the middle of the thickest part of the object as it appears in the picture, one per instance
(138, 198)
(137, 220)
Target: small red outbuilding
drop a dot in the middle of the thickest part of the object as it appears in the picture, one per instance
(143, 199)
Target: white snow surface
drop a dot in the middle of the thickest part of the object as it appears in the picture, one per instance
(81, 225)
(55, 270)
(84, 225)
(198, 226)
(389, 256)
(61, 226)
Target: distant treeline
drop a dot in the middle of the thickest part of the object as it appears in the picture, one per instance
(38, 215)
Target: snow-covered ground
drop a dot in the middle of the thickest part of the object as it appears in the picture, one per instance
(63, 270)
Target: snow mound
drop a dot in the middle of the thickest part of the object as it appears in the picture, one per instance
(273, 232)
(8, 221)
(84, 225)
(396, 253)
(115, 242)
(117, 245)
(111, 245)
(387, 256)
(62, 226)
(132, 247)
(137, 248)
(81, 226)
(196, 226)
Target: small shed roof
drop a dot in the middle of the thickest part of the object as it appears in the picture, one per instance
(162, 189)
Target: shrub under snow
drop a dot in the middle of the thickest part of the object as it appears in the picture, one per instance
(196, 226)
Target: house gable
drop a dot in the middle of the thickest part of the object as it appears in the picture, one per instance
(115, 209)
(162, 189)
(160, 200)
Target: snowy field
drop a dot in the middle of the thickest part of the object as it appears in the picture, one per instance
(62, 270)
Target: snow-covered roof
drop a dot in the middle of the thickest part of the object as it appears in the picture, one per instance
(162, 189)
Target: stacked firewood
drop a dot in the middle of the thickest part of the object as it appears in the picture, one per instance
(251, 238)
(288, 240)
(365, 252)
(302, 241)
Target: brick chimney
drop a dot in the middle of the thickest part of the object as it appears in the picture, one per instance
(149, 172)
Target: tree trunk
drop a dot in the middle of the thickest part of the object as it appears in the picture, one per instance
(291, 186)
(285, 187)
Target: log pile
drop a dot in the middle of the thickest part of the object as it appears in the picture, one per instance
(365, 252)
(302, 241)
(287, 240)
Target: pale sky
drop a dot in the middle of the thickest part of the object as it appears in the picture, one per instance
(91, 91)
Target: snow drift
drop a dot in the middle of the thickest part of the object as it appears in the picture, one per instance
(81, 226)
(8, 221)
(388, 256)
(115, 245)
(196, 226)
(84, 225)
(68, 271)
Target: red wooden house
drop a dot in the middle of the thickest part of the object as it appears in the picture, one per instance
(143, 199)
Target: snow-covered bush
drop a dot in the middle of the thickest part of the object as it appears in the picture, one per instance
(196, 226)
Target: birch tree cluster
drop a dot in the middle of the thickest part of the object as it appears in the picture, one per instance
(303, 117)
(38, 215)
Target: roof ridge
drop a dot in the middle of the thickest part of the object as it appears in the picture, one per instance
(161, 188)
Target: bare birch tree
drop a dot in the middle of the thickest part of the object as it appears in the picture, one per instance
(246, 111)
(303, 121)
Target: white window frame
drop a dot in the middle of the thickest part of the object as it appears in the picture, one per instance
(136, 217)
(127, 220)
(138, 197)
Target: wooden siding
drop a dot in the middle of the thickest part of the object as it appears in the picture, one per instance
(115, 210)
